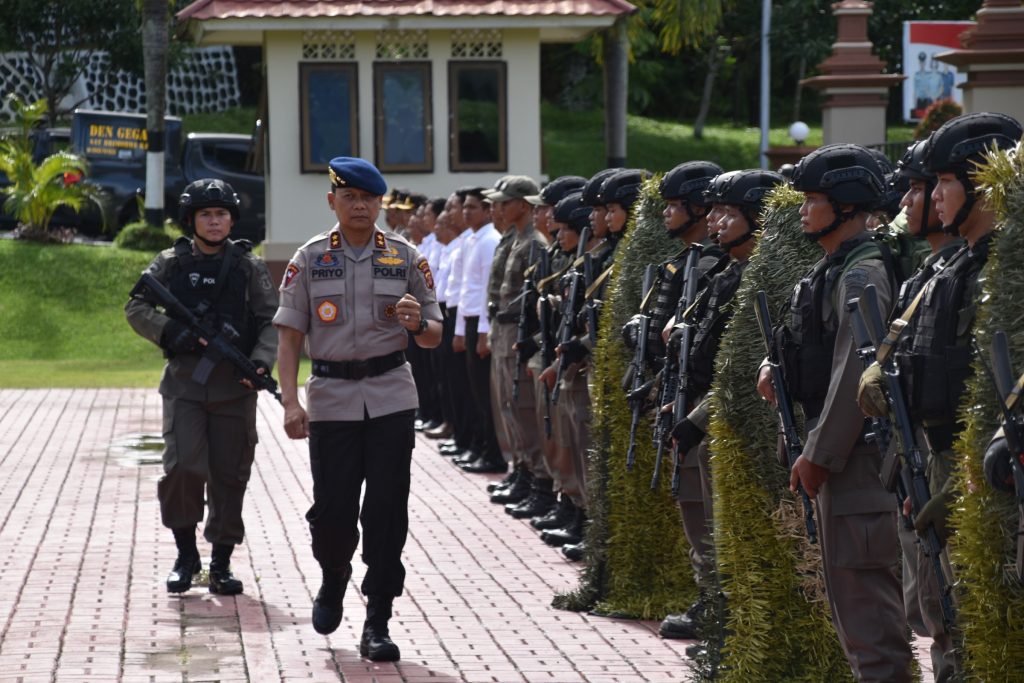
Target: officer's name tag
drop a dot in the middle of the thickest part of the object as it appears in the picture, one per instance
(326, 273)
(390, 272)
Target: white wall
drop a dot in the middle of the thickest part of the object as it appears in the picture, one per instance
(296, 202)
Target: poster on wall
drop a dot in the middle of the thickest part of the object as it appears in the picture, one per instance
(928, 79)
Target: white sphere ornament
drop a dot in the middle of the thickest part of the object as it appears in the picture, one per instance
(799, 132)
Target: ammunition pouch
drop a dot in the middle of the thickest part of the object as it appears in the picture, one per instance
(807, 369)
(934, 383)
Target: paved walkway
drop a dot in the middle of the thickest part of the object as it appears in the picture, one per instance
(83, 559)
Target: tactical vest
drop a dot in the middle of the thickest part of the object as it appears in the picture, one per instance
(713, 312)
(669, 287)
(194, 282)
(937, 364)
(807, 343)
(916, 282)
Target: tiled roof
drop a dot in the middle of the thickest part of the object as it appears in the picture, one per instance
(238, 9)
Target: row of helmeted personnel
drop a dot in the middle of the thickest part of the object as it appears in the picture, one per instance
(523, 274)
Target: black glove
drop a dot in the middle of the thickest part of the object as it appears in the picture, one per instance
(260, 365)
(687, 434)
(177, 338)
(675, 338)
(631, 332)
(526, 349)
(573, 351)
(998, 468)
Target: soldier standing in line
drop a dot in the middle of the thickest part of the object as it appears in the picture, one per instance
(935, 359)
(351, 296)
(740, 202)
(209, 430)
(838, 468)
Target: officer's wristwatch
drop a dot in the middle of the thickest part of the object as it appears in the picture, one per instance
(421, 329)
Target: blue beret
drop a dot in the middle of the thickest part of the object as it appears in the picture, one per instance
(357, 173)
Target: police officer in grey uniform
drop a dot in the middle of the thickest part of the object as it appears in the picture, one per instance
(839, 468)
(352, 294)
(209, 429)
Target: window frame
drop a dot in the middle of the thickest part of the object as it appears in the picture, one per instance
(351, 69)
(454, 165)
(425, 68)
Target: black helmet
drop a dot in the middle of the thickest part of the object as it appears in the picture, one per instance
(911, 167)
(884, 164)
(572, 211)
(717, 185)
(592, 189)
(553, 192)
(960, 145)
(688, 180)
(747, 190)
(846, 173)
(205, 194)
(623, 187)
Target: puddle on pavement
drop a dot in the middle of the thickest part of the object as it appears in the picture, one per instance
(137, 450)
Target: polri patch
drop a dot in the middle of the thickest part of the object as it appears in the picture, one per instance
(289, 275)
(327, 311)
(424, 268)
(390, 272)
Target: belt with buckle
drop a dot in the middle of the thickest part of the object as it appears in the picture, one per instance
(358, 369)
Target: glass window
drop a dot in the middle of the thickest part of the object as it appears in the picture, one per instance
(476, 92)
(402, 105)
(328, 94)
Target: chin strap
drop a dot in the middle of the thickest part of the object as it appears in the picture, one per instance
(840, 218)
(965, 210)
(732, 244)
(690, 222)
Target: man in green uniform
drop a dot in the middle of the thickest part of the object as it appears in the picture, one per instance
(210, 428)
(351, 295)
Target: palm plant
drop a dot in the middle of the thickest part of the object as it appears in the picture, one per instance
(37, 190)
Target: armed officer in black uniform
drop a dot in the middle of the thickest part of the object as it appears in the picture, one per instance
(209, 429)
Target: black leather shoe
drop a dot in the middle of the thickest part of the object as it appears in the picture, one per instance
(466, 458)
(518, 491)
(684, 626)
(453, 452)
(446, 443)
(557, 517)
(327, 609)
(504, 483)
(223, 582)
(485, 466)
(376, 644)
(570, 534)
(185, 569)
(574, 551)
(540, 501)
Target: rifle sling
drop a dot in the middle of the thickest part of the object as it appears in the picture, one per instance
(542, 284)
(598, 281)
(887, 345)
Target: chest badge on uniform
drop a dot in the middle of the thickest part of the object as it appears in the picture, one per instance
(327, 260)
(390, 310)
(327, 311)
(424, 268)
(390, 258)
(335, 240)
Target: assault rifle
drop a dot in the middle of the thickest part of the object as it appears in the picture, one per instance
(1009, 400)
(919, 492)
(218, 343)
(668, 389)
(527, 300)
(637, 389)
(784, 405)
(547, 355)
(590, 304)
(895, 478)
(571, 308)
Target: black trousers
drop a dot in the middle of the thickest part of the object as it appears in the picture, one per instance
(342, 455)
(423, 375)
(479, 370)
(457, 399)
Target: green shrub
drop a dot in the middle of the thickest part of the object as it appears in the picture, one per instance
(142, 236)
(937, 113)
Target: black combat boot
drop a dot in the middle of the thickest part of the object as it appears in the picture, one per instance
(574, 552)
(507, 481)
(376, 644)
(222, 581)
(518, 491)
(571, 533)
(557, 517)
(540, 501)
(685, 626)
(327, 608)
(187, 565)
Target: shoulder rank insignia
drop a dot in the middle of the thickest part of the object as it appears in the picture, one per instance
(378, 240)
(424, 268)
(335, 239)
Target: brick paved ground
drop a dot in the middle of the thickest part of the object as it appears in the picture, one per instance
(83, 559)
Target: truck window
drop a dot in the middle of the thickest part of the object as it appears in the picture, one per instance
(224, 157)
